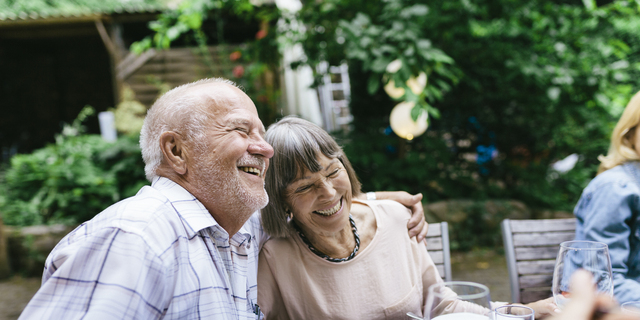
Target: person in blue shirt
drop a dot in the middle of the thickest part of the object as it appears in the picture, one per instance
(609, 208)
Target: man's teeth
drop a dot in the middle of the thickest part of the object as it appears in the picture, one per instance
(330, 211)
(251, 170)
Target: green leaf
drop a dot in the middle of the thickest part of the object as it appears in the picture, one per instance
(416, 111)
(423, 44)
(589, 4)
(414, 11)
(193, 20)
(435, 113)
(409, 52)
(379, 65)
(373, 84)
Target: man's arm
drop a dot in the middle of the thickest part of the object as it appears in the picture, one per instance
(108, 274)
(417, 225)
(585, 303)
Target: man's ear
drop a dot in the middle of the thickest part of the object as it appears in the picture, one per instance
(175, 153)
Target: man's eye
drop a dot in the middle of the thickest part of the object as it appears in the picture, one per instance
(243, 130)
(334, 173)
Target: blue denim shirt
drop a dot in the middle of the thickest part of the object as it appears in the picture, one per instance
(608, 211)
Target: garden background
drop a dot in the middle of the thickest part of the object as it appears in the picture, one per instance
(513, 87)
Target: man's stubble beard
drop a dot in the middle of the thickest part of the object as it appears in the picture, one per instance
(224, 188)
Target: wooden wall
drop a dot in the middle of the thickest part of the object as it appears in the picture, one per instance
(174, 67)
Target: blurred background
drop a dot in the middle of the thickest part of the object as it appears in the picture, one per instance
(500, 107)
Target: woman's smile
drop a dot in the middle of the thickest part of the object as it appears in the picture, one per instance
(331, 211)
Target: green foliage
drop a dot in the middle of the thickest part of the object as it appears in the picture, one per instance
(255, 62)
(534, 80)
(44, 8)
(188, 17)
(374, 35)
(540, 80)
(72, 180)
(554, 79)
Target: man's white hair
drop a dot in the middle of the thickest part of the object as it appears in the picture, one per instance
(179, 112)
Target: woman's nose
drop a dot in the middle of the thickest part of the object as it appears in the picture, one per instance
(327, 189)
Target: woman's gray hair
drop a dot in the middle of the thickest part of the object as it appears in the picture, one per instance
(297, 144)
(175, 111)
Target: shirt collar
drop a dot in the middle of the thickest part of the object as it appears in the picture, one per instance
(190, 209)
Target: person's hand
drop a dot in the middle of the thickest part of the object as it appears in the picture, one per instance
(544, 308)
(585, 302)
(417, 225)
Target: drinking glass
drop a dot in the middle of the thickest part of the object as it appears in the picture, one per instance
(513, 312)
(631, 307)
(441, 295)
(588, 255)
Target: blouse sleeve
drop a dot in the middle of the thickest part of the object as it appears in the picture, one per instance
(604, 214)
(450, 303)
(269, 296)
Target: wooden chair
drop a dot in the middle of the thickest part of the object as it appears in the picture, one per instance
(438, 248)
(531, 247)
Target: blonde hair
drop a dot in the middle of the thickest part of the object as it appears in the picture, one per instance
(622, 147)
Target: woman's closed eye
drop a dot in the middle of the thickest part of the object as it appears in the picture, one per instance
(303, 188)
(334, 173)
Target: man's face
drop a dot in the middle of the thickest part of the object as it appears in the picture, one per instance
(229, 171)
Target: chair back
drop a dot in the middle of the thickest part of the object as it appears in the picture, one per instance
(438, 248)
(531, 247)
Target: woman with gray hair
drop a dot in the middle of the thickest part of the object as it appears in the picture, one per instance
(332, 256)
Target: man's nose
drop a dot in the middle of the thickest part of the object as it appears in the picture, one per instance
(261, 147)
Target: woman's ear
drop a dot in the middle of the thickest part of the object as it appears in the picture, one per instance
(174, 151)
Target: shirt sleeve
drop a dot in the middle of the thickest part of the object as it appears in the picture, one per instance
(605, 214)
(109, 274)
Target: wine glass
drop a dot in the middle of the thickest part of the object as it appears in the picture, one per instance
(588, 255)
(513, 312)
(631, 307)
(445, 297)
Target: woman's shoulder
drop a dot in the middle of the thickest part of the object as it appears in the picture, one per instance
(278, 246)
(388, 209)
(620, 175)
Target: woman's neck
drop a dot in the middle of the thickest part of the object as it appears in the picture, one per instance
(341, 244)
(336, 245)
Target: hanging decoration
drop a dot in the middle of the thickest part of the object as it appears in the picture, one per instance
(401, 119)
(402, 123)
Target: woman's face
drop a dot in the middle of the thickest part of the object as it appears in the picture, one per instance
(321, 201)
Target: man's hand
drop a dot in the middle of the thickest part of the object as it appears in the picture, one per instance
(544, 308)
(585, 302)
(417, 225)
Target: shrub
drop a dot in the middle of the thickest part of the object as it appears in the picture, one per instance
(71, 180)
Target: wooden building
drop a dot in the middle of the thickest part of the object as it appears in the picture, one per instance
(56, 60)
(53, 62)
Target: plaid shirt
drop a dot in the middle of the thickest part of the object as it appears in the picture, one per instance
(159, 254)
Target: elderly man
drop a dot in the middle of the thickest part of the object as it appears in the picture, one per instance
(187, 246)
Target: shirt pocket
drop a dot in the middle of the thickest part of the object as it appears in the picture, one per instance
(410, 302)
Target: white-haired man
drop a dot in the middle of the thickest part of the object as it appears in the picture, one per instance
(187, 246)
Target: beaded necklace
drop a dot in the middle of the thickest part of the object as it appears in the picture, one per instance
(323, 255)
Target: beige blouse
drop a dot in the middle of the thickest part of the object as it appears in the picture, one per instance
(386, 280)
